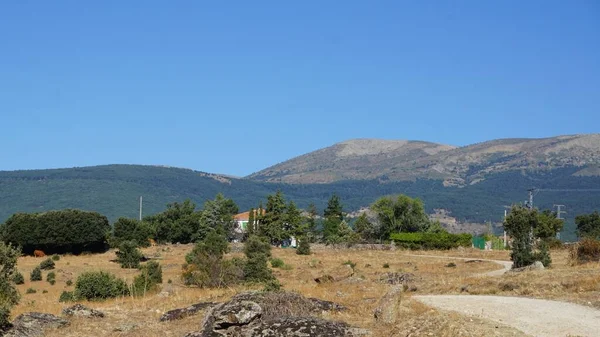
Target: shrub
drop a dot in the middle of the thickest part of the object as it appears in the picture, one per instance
(451, 265)
(30, 291)
(99, 285)
(18, 278)
(9, 296)
(204, 264)
(128, 256)
(51, 278)
(586, 250)
(66, 296)
(349, 263)
(55, 257)
(277, 263)
(69, 283)
(431, 240)
(257, 252)
(170, 281)
(36, 274)
(154, 271)
(72, 231)
(148, 279)
(386, 265)
(303, 247)
(47, 264)
(44, 291)
(272, 285)
(287, 267)
(542, 254)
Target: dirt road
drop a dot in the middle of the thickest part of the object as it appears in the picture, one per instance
(532, 316)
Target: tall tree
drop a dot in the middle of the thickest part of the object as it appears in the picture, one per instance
(250, 225)
(364, 228)
(402, 214)
(293, 221)
(272, 222)
(334, 215)
(588, 225)
(311, 222)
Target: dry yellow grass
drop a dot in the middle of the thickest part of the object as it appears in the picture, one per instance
(139, 317)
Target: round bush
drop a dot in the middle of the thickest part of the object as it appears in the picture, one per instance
(18, 278)
(47, 264)
(36, 274)
(99, 285)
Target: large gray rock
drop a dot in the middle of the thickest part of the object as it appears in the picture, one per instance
(272, 314)
(33, 324)
(537, 265)
(387, 309)
(82, 311)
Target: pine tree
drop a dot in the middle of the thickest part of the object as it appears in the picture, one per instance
(293, 221)
(250, 225)
(333, 218)
(272, 225)
(311, 222)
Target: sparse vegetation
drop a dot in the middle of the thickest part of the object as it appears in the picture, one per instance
(30, 291)
(69, 283)
(349, 263)
(18, 278)
(277, 263)
(586, 250)
(67, 296)
(55, 257)
(386, 265)
(51, 278)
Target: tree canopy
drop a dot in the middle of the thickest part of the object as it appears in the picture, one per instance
(588, 225)
(400, 214)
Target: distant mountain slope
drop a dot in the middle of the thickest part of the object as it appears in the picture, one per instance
(409, 160)
(358, 159)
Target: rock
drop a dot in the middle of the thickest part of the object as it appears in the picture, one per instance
(537, 265)
(235, 314)
(33, 324)
(353, 280)
(396, 278)
(175, 314)
(387, 309)
(126, 327)
(336, 274)
(82, 311)
(303, 326)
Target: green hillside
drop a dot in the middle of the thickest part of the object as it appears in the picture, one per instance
(114, 190)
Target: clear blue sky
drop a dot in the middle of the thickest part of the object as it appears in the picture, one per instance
(236, 86)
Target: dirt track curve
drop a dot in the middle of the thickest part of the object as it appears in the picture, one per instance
(541, 318)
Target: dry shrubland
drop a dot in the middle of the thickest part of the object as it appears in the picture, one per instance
(360, 293)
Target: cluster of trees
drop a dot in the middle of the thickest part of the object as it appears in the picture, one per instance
(588, 225)
(66, 231)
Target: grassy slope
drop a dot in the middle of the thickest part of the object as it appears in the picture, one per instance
(114, 190)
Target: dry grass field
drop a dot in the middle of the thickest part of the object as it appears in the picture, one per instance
(444, 275)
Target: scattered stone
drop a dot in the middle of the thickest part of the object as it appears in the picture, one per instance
(126, 327)
(176, 314)
(387, 309)
(33, 324)
(396, 278)
(337, 274)
(82, 311)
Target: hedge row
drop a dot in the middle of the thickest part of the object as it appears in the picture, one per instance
(66, 231)
(431, 240)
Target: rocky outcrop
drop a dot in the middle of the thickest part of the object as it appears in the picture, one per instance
(397, 278)
(272, 314)
(176, 314)
(387, 309)
(337, 274)
(82, 311)
(33, 324)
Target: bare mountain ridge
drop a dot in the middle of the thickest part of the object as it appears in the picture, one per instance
(401, 160)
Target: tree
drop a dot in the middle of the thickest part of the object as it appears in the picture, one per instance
(272, 222)
(258, 252)
(364, 228)
(303, 246)
(218, 213)
(548, 225)
(311, 222)
(525, 226)
(9, 296)
(334, 216)
(180, 222)
(250, 226)
(588, 225)
(125, 229)
(204, 264)
(293, 223)
(402, 214)
(128, 255)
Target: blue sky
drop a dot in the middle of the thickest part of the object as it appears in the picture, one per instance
(236, 86)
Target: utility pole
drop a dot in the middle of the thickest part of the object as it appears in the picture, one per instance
(558, 213)
(530, 203)
(140, 208)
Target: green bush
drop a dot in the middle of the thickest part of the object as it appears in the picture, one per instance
(18, 278)
(386, 265)
(30, 291)
(71, 231)
(99, 285)
(55, 257)
(36, 274)
(154, 271)
(303, 247)
(272, 285)
(128, 256)
(69, 283)
(204, 264)
(277, 263)
(542, 254)
(47, 264)
(148, 280)
(66, 296)
(9, 296)
(431, 240)
(51, 277)
(257, 252)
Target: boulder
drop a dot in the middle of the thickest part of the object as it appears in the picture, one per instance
(176, 314)
(33, 324)
(537, 265)
(337, 274)
(235, 314)
(387, 309)
(301, 327)
(82, 311)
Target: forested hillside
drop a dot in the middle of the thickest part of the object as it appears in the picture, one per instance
(114, 191)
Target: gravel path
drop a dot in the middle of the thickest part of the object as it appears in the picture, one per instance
(532, 316)
(506, 265)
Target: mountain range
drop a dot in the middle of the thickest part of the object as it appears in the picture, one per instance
(471, 183)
